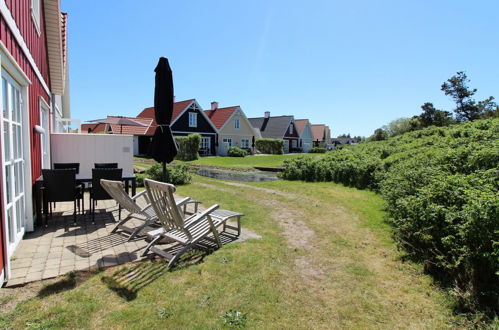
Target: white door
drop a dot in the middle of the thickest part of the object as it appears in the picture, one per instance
(13, 162)
(44, 120)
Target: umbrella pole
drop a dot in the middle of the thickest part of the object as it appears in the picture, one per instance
(164, 171)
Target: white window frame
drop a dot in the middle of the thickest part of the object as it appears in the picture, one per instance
(45, 136)
(291, 129)
(36, 14)
(206, 142)
(237, 123)
(228, 141)
(245, 143)
(193, 119)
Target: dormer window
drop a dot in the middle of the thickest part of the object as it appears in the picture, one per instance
(291, 129)
(236, 123)
(193, 119)
(35, 13)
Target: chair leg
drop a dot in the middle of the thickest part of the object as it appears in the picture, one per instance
(138, 229)
(74, 211)
(93, 212)
(178, 255)
(119, 212)
(148, 247)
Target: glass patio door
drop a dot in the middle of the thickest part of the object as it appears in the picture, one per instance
(13, 162)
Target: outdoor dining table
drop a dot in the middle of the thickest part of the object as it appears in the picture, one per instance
(129, 180)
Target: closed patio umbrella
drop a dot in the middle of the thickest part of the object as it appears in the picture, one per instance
(163, 146)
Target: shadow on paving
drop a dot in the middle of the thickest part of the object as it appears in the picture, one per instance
(128, 280)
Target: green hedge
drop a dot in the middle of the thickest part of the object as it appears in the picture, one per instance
(270, 146)
(176, 175)
(188, 146)
(441, 187)
(236, 152)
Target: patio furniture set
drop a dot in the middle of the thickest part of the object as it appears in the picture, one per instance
(159, 208)
(169, 214)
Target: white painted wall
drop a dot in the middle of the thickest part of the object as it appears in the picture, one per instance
(88, 149)
(135, 145)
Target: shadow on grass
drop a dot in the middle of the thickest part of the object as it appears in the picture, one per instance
(67, 283)
(128, 280)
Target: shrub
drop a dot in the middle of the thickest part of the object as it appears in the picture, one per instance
(270, 146)
(317, 150)
(176, 175)
(441, 190)
(188, 146)
(236, 152)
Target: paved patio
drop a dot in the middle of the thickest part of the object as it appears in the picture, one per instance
(63, 247)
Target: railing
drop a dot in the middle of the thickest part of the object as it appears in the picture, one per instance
(65, 125)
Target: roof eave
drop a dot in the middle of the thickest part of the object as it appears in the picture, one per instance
(54, 45)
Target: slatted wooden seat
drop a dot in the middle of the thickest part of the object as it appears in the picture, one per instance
(146, 214)
(187, 231)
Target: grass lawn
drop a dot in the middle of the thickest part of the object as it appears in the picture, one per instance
(325, 260)
(247, 162)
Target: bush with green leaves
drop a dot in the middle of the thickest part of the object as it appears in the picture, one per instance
(441, 186)
(270, 146)
(317, 150)
(188, 146)
(236, 152)
(175, 174)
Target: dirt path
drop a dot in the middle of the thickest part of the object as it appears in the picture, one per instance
(341, 264)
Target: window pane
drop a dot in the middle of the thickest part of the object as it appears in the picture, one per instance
(6, 140)
(18, 106)
(14, 142)
(13, 103)
(8, 183)
(4, 98)
(19, 142)
(10, 224)
(16, 176)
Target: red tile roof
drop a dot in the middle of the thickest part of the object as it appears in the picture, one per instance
(148, 113)
(300, 125)
(94, 128)
(219, 116)
(133, 130)
(318, 131)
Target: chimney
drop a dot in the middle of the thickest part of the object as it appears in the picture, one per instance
(174, 97)
(214, 105)
(267, 114)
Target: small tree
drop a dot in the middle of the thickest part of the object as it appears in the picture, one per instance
(432, 116)
(401, 126)
(188, 146)
(467, 108)
(379, 135)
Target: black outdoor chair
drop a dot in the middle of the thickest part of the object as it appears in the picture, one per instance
(105, 165)
(97, 192)
(62, 166)
(59, 185)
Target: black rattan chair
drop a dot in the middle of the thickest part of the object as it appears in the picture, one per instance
(59, 185)
(62, 166)
(105, 165)
(97, 193)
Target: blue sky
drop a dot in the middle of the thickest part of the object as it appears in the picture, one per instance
(353, 65)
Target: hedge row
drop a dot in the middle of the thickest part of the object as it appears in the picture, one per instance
(188, 146)
(441, 186)
(270, 146)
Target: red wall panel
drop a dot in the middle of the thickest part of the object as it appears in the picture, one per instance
(21, 11)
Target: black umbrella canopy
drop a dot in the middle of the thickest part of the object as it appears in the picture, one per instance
(163, 147)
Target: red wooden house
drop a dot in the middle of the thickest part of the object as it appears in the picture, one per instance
(33, 70)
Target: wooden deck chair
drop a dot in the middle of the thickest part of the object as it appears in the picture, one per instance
(186, 231)
(146, 214)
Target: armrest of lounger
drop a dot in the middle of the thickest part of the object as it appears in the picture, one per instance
(183, 201)
(198, 217)
(139, 194)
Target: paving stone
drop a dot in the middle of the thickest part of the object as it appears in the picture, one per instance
(34, 276)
